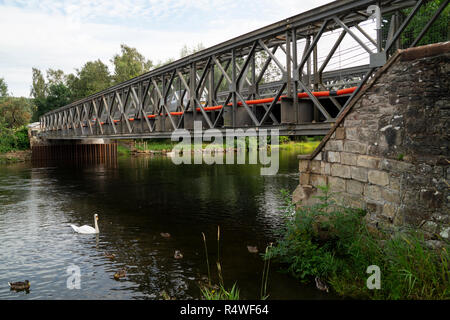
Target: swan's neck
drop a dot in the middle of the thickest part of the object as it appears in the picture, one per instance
(96, 226)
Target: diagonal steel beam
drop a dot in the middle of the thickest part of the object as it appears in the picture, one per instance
(354, 36)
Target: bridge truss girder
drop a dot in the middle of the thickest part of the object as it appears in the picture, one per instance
(216, 84)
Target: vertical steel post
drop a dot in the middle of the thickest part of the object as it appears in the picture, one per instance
(315, 79)
(233, 86)
(192, 93)
(296, 73)
(288, 65)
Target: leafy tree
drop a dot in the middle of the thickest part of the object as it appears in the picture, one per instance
(129, 64)
(92, 78)
(186, 51)
(38, 88)
(3, 88)
(55, 77)
(15, 112)
(58, 96)
(438, 32)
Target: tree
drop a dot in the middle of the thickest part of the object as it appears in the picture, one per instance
(129, 64)
(58, 96)
(92, 78)
(439, 31)
(3, 88)
(15, 112)
(38, 88)
(186, 51)
(55, 77)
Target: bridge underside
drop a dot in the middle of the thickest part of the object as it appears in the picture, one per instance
(271, 78)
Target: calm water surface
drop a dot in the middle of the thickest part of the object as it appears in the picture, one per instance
(136, 200)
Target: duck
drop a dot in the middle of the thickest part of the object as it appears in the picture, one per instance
(19, 285)
(120, 274)
(111, 256)
(321, 285)
(165, 235)
(178, 254)
(87, 229)
(252, 249)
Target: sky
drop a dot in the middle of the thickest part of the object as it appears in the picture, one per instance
(66, 34)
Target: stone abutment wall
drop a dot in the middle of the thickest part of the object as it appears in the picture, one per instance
(389, 152)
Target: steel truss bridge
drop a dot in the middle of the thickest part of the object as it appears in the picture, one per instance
(225, 87)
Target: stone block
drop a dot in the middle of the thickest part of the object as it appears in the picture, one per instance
(355, 147)
(397, 166)
(315, 166)
(334, 145)
(394, 183)
(373, 192)
(339, 170)
(359, 174)
(389, 210)
(337, 184)
(304, 178)
(303, 165)
(318, 157)
(340, 133)
(368, 161)
(355, 187)
(391, 195)
(326, 168)
(334, 156)
(302, 193)
(351, 133)
(349, 158)
(378, 177)
(318, 180)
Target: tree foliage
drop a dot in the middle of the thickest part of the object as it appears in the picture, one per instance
(58, 96)
(15, 112)
(438, 32)
(129, 64)
(3, 88)
(38, 87)
(94, 76)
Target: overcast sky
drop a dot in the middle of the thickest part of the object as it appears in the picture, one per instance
(66, 34)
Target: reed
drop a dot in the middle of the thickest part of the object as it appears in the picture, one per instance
(207, 259)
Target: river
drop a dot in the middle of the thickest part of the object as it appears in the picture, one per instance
(136, 200)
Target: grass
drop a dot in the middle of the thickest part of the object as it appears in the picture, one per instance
(122, 151)
(335, 244)
(217, 292)
(220, 292)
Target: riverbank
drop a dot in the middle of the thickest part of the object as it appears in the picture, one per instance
(165, 146)
(15, 156)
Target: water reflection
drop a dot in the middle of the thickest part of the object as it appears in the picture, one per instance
(136, 200)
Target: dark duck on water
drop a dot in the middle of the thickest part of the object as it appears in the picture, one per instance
(19, 286)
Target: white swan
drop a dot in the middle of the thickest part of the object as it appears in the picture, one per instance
(87, 229)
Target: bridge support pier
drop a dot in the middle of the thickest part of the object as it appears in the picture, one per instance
(88, 151)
